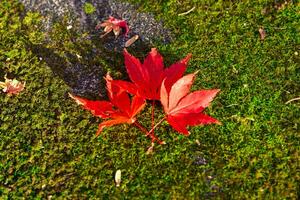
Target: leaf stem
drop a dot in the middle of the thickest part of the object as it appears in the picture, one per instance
(151, 135)
(141, 127)
(156, 125)
(152, 115)
(294, 99)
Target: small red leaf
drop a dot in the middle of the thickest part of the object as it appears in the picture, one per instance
(115, 25)
(183, 109)
(120, 109)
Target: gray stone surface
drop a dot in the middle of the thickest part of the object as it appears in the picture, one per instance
(85, 79)
(142, 24)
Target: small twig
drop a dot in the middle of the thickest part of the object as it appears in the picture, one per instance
(187, 12)
(141, 127)
(131, 41)
(294, 99)
(279, 28)
(235, 104)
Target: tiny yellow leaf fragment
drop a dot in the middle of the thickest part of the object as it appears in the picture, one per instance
(11, 86)
(77, 100)
(150, 149)
(118, 178)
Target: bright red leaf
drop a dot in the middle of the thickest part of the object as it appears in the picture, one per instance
(147, 77)
(120, 108)
(183, 108)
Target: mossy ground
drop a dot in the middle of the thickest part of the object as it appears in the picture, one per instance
(48, 146)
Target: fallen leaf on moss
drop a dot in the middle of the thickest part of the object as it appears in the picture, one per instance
(115, 25)
(281, 5)
(262, 33)
(120, 108)
(12, 86)
(183, 108)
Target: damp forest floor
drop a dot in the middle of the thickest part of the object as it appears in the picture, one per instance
(48, 147)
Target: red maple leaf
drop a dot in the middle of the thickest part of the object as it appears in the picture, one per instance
(120, 109)
(183, 108)
(115, 25)
(148, 77)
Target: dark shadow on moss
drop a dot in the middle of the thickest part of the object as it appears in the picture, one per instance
(84, 74)
(83, 79)
(78, 55)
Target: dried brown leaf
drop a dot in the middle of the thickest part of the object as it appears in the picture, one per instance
(12, 86)
(131, 41)
(262, 33)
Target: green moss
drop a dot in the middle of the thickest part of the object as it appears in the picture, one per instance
(47, 142)
(89, 8)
